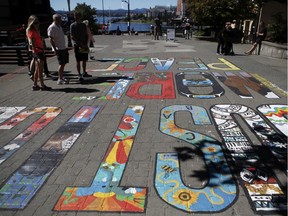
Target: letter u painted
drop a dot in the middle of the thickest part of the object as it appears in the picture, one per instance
(221, 190)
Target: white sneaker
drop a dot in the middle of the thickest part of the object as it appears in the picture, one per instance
(61, 82)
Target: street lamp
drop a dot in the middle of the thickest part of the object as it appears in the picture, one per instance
(128, 3)
(103, 12)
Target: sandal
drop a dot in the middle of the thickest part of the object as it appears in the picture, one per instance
(45, 88)
(36, 88)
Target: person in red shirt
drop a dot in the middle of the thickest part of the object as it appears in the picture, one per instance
(35, 40)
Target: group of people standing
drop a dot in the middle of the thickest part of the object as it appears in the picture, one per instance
(81, 37)
(226, 36)
(225, 40)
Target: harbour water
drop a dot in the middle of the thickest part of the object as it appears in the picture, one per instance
(138, 27)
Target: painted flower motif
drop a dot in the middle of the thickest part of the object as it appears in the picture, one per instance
(185, 197)
(138, 109)
(174, 128)
(128, 119)
(211, 149)
(166, 112)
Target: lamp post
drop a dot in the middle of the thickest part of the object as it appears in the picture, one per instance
(129, 19)
(103, 12)
(69, 22)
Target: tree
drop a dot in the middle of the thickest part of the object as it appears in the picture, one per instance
(216, 12)
(88, 13)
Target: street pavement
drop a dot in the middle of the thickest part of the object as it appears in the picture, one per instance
(127, 141)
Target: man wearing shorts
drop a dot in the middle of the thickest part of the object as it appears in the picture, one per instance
(57, 40)
(79, 35)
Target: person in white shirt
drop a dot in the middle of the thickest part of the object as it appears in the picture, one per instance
(57, 40)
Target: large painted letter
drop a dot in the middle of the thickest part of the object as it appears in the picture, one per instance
(162, 65)
(220, 191)
(238, 85)
(105, 194)
(164, 79)
(277, 115)
(7, 150)
(8, 112)
(142, 64)
(223, 65)
(257, 179)
(207, 81)
(22, 186)
(116, 61)
(197, 61)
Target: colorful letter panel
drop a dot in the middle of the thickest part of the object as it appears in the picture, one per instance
(22, 186)
(221, 190)
(105, 194)
(116, 61)
(208, 80)
(7, 150)
(164, 79)
(142, 64)
(238, 85)
(225, 65)
(277, 115)
(260, 184)
(162, 65)
(8, 112)
(197, 61)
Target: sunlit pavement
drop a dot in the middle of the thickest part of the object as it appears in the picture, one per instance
(162, 128)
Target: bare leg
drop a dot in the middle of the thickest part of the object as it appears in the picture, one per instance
(84, 66)
(252, 49)
(60, 71)
(40, 72)
(36, 73)
(78, 68)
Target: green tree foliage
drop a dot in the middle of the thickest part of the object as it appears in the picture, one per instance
(216, 12)
(88, 13)
(278, 29)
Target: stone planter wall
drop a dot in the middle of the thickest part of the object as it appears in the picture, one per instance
(274, 50)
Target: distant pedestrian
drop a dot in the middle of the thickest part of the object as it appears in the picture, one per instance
(118, 31)
(187, 29)
(35, 40)
(261, 35)
(79, 36)
(220, 40)
(157, 28)
(228, 40)
(57, 40)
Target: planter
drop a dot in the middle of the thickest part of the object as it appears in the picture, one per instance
(274, 50)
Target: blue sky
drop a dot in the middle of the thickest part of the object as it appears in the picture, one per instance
(111, 4)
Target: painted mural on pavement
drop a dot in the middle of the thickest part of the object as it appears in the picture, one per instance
(10, 148)
(162, 65)
(115, 92)
(238, 84)
(220, 191)
(8, 112)
(24, 183)
(206, 80)
(277, 115)
(195, 64)
(105, 194)
(165, 79)
(258, 180)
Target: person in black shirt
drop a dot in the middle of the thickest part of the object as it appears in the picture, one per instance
(261, 34)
